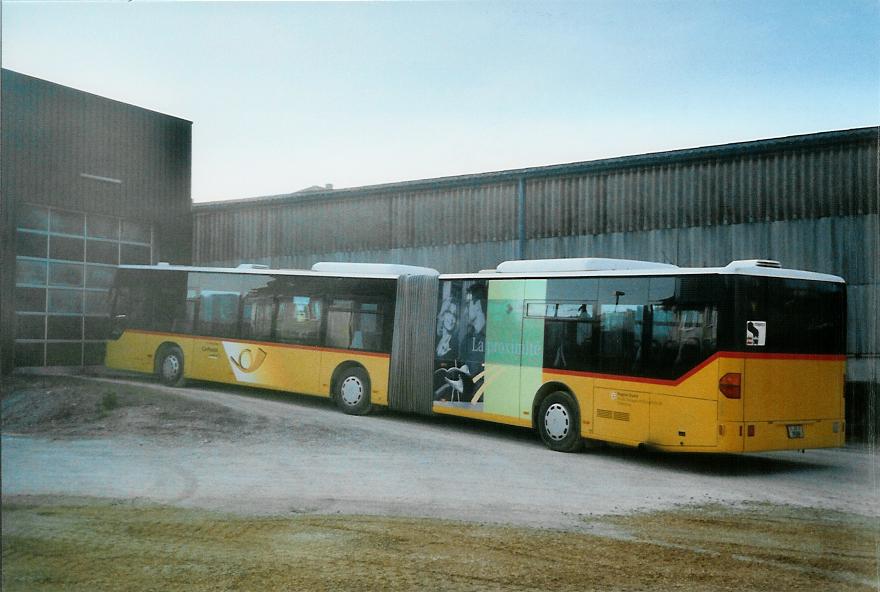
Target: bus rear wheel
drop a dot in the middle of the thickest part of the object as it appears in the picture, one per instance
(559, 422)
(170, 365)
(353, 391)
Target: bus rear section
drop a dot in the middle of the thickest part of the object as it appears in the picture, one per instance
(791, 366)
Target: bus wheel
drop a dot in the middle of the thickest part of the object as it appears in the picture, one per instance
(559, 423)
(170, 366)
(353, 391)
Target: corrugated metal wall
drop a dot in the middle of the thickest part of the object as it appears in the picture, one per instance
(808, 201)
(831, 175)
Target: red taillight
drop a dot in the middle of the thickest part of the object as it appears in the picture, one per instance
(729, 385)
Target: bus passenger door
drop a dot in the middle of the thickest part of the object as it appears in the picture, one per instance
(531, 374)
(503, 347)
(513, 364)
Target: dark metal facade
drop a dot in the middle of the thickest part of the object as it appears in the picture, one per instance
(85, 160)
(810, 201)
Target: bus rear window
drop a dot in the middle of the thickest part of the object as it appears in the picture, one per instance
(800, 316)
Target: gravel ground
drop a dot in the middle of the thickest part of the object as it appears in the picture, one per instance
(262, 453)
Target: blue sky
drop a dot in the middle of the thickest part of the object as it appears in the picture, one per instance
(287, 95)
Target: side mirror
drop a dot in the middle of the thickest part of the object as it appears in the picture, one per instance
(118, 325)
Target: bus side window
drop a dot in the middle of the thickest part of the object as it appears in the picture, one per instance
(356, 325)
(568, 333)
(169, 304)
(339, 324)
(684, 326)
(370, 327)
(257, 313)
(298, 320)
(622, 313)
(218, 313)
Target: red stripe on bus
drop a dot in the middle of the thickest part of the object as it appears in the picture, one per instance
(700, 366)
(266, 343)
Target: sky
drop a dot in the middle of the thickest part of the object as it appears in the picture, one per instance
(288, 95)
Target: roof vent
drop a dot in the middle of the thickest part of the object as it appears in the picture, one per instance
(577, 264)
(251, 266)
(754, 263)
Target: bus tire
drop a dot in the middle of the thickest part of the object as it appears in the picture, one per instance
(169, 365)
(559, 422)
(353, 391)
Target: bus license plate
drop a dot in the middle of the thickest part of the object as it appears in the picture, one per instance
(795, 431)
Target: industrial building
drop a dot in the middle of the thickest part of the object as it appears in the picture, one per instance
(809, 201)
(87, 183)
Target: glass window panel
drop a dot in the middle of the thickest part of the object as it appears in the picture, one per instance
(30, 244)
(339, 328)
(64, 247)
(258, 307)
(35, 217)
(30, 326)
(103, 227)
(58, 327)
(662, 288)
(135, 232)
(218, 313)
(67, 222)
(135, 255)
(683, 326)
(30, 299)
(299, 320)
(97, 327)
(98, 276)
(540, 309)
(65, 274)
(622, 305)
(93, 354)
(102, 252)
(64, 354)
(170, 303)
(98, 303)
(572, 289)
(29, 354)
(367, 328)
(30, 272)
(574, 310)
(65, 300)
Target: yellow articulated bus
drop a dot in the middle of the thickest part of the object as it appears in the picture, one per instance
(744, 358)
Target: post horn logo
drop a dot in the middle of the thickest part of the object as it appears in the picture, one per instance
(249, 361)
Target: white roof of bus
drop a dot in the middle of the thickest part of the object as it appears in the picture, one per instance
(260, 270)
(546, 268)
(590, 267)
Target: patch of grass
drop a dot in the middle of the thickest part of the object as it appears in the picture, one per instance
(102, 546)
(109, 401)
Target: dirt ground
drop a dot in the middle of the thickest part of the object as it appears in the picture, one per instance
(87, 545)
(77, 542)
(72, 407)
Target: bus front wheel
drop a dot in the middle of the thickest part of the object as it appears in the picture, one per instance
(559, 422)
(170, 366)
(353, 391)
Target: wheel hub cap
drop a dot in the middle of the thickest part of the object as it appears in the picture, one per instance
(557, 421)
(352, 390)
(170, 366)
